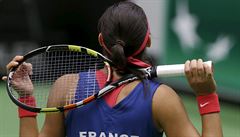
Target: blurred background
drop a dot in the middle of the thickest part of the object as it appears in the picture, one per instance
(180, 30)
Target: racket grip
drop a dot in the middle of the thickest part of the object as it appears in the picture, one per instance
(175, 70)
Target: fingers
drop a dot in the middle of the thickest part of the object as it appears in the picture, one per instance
(195, 71)
(200, 77)
(195, 68)
(18, 58)
(4, 78)
(25, 67)
(24, 70)
(208, 70)
(200, 68)
(187, 69)
(14, 62)
(29, 68)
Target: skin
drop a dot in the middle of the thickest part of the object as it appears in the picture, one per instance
(169, 113)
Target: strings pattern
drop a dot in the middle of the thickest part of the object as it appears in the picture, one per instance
(67, 66)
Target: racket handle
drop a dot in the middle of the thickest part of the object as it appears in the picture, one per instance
(175, 70)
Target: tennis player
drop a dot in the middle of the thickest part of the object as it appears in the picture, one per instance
(143, 108)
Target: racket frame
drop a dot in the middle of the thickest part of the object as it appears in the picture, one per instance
(51, 48)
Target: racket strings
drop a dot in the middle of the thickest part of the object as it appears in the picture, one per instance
(69, 67)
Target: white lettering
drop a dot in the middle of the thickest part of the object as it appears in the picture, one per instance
(92, 134)
(82, 134)
(102, 134)
(111, 135)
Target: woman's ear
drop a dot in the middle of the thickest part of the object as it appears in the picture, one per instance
(149, 41)
(100, 39)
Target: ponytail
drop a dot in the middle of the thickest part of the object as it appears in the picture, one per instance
(119, 55)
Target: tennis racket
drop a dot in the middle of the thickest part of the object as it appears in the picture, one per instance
(64, 77)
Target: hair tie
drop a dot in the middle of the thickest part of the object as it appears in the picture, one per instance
(120, 42)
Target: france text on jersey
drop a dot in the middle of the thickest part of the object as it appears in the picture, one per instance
(102, 134)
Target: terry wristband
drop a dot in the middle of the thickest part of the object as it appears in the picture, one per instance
(29, 100)
(208, 104)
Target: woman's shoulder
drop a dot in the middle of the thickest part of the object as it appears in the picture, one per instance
(165, 97)
(165, 104)
(64, 87)
(165, 92)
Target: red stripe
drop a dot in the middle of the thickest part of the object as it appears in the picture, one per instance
(143, 46)
(138, 62)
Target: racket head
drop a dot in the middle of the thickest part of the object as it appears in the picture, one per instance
(46, 65)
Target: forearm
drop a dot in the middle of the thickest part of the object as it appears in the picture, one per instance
(52, 127)
(211, 125)
(28, 127)
(209, 109)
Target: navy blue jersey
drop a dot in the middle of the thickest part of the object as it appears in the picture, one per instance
(132, 117)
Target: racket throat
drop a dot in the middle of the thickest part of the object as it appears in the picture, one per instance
(104, 91)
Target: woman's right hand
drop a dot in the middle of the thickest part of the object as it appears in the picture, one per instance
(21, 81)
(200, 77)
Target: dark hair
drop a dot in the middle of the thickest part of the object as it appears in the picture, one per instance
(123, 27)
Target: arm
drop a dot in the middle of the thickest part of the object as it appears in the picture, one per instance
(54, 123)
(211, 125)
(169, 112)
(28, 125)
(53, 126)
(200, 78)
